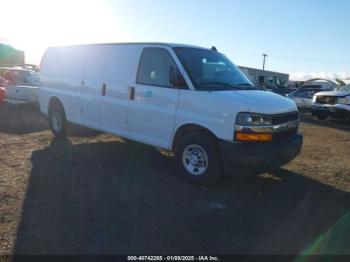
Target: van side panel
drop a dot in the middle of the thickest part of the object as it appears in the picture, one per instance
(61, 72)
(76, 75)
(120, 63)
(90, 92)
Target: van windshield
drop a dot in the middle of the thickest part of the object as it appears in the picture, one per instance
(211, 70)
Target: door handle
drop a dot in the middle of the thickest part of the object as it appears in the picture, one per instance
(132, 93)
(103, 91)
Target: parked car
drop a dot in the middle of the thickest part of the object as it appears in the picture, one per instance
(303, 98)
(311, 87)
(21, 85)
(29, 67)
(3, 82)
(190, 100)
(325, 84)
(334, 104)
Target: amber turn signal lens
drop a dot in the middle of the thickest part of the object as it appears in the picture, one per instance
(253, 137)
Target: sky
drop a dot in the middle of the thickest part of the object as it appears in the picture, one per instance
(303, 38)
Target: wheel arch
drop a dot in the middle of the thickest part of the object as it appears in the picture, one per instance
(54, 100)
(187, 128)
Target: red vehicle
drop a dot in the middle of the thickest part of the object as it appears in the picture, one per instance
(2, 95)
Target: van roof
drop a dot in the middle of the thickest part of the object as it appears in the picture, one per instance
(140, 43)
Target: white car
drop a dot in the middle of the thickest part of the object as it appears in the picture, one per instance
(334, 104)
(190, 100)
(303, 98)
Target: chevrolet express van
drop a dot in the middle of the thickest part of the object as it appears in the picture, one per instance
(189, 100)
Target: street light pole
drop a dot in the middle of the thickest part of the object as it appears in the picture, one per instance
(264, 55)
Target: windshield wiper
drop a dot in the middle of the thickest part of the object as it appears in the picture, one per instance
(221, 83)
(241, 86)
(251, 87)
(244, 84)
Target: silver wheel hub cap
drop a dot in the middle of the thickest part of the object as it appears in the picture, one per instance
(195, 160)
(56, 121)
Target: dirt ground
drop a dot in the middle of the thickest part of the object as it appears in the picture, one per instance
(98, 194)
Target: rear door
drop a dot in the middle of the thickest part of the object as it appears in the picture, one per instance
(153, 99)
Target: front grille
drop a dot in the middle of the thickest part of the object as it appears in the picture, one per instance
(284, 118)
(284, 135)
(330, 100)
(281, 119)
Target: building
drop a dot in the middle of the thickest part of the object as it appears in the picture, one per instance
(265, 78)
(10, 56)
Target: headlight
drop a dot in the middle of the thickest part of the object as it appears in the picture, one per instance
(314, 98)
(344, 100)
(253, 119)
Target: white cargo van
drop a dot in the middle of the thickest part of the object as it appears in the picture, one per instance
(190, 100)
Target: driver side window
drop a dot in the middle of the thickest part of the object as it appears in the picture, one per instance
(154, 67)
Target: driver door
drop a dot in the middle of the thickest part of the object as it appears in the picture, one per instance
(153, 100)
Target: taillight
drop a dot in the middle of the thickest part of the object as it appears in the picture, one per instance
(2, 94)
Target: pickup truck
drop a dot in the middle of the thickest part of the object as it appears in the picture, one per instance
(21, 85)
(334, 104)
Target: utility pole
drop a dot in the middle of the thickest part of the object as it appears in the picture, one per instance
(264, 55)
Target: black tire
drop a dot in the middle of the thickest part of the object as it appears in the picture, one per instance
(213, 165)
(321, 116)
(56, 111)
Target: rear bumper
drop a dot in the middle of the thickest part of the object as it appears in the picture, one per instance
(21, 94)
(17, 102)
(258, 157)
(336, 111)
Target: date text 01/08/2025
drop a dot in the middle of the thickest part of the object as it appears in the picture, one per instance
(173, 258)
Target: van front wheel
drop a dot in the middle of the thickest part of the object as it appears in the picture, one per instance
(57, 119)
(198, 158)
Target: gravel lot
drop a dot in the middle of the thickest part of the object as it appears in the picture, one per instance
(98, 194)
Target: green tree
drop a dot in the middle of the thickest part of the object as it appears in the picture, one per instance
(340, 82)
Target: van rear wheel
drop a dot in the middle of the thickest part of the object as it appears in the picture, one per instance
(58, 121)
(198, 158)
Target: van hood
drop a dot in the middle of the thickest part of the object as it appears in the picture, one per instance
(257, 101)
(333, 93)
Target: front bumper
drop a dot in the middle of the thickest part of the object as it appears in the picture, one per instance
(240, 157)
(336, 111)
